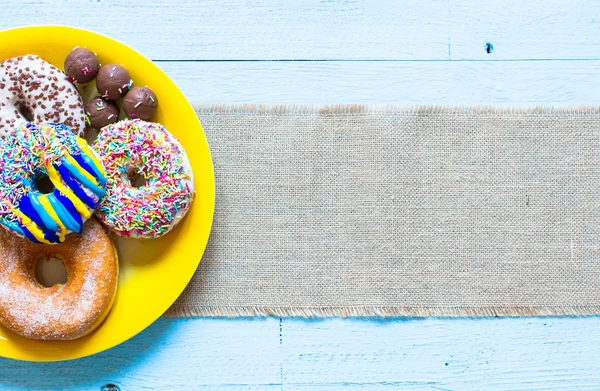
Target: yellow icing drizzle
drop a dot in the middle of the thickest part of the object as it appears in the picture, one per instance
(86, 149)
(50, 210)
(55, 178)
(81, 170)
(31, 226)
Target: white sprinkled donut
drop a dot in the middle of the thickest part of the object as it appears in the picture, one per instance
(32, 84)
(133, 147)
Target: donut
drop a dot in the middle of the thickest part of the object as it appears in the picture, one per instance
(31, 85)
(63, 311)
(75, 177)
(135, 147)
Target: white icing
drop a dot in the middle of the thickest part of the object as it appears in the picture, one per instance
(43, 89)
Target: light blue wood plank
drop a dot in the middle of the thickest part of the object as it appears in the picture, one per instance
(175, 354)
(313, 29)
(508, 83)
(465, 354)
(524, 29)
(333, 354)
(271, 29)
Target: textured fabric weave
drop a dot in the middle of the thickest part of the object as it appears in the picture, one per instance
(394, 210)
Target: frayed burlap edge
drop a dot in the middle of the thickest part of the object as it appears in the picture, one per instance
(228, 109)
(377, 311)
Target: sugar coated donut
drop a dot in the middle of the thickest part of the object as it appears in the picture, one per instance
(130, 148)
(77, 176)
(33, 85)
(63, 311)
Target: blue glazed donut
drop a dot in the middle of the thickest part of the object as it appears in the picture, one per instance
(39, 150)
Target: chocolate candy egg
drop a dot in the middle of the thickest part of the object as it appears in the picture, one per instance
(82, 65)
(101, 112)
(113, 81)
(140, 102)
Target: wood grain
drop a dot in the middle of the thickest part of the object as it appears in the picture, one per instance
(333, 354)
(175, 354)
(470, 354)
(510, 83)
(241, 30)
(326, 30)
(554, 29)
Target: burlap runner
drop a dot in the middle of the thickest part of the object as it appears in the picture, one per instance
(385, 210)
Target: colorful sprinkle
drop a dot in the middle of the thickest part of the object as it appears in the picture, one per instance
(39, 149)
(147, 148)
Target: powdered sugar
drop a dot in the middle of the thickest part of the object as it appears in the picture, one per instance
(62, 311)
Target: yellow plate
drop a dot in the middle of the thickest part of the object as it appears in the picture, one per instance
(153, 272)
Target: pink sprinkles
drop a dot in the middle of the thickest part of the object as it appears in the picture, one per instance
(143, 147)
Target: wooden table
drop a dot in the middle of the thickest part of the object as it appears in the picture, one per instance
(286, 52)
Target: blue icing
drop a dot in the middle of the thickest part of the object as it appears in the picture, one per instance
(70, 208)
(51, 237)
(72, 183)
(48, 221)
(12, 226)
(28, 210)
(28, 234)
(81, 178)
(87, 164)
(63, 214)
(33, 146)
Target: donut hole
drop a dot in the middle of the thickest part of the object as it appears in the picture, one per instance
(43, 184)
(50, 270)
(136, 179)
